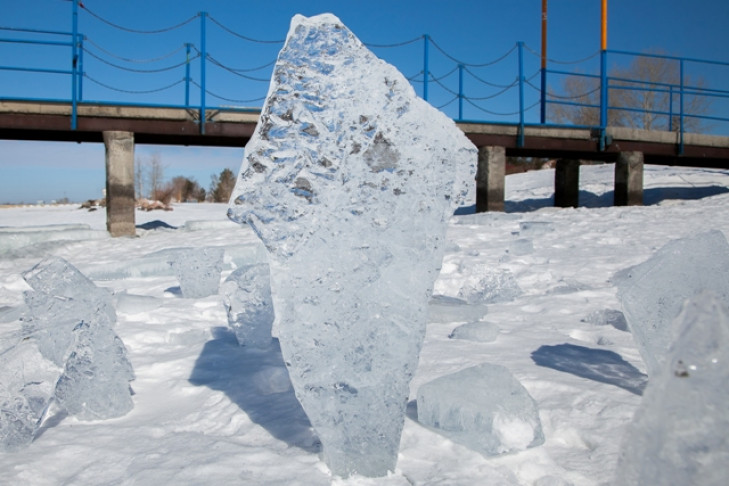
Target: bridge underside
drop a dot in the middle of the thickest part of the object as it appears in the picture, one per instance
(628, 149)
(178, 126)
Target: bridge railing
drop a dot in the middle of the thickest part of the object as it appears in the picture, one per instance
(198, 72)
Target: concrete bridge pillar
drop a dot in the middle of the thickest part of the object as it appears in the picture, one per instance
(629, 179)
(567, 183)
(490, 179)
(120, 203)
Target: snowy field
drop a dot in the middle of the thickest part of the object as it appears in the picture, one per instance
(207, 411)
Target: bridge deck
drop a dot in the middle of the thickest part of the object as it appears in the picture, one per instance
(29, 120)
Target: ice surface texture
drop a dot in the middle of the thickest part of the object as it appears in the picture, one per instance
(680, 432)
(247, 297)
(26, 386)
(72, 320)
(653, 292)
(61, 298)
(484, 408)
(349, 180)
(198, 270)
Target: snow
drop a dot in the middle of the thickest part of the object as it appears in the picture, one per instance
(207, 411)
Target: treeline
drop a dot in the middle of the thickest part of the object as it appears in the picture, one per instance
(150, 183)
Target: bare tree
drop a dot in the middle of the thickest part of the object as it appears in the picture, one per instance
(155, 175)
(649, 86)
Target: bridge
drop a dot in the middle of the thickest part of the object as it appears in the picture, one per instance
(120, 118)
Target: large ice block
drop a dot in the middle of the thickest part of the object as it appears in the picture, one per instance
(349, 180)
(680, 433)
(653, 292)
(484, 408)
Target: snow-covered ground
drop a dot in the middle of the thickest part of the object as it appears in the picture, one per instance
(210, 412)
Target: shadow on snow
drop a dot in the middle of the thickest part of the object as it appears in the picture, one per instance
(587, 199)
(594, 364)
(240, 372)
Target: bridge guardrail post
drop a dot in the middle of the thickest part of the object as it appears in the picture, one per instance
(460, 92)
(680, 116)
(74, 63)
(603, 98)
(203, 55)
(187, 75)
(81, 68)
(425, 66)
(520, 141)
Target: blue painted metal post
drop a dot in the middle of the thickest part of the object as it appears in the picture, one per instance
(81, 69)
(680, 116)
(670, 108)
(74, 62)
(460, 91)
(520, 141)
(203, 55)
(425, 67)
(187, 75)
(603, 97)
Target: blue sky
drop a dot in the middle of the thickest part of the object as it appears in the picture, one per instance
(471, 31)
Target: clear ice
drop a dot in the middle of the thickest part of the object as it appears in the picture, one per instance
(484, 408)
(95, 382)
(247, 298)
(680, 433)
(198, 270)
(61, 298)
(26, 387)
(349, 180)
(71, 321)
(653, 292)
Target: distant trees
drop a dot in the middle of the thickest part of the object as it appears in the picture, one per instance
(221, 186)
(649, 75)
(149, 182)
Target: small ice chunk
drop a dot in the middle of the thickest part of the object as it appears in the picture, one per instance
(680, 433)
(247, 298)
(607, 317)
(653, 292)
(443, 308)
(95, 382)
(484, 332)
(535, 228)
(135, 304)
(198, 270)
(61, 298)
(26, 386)
(521, 247)
(484, 408)
(489, 286)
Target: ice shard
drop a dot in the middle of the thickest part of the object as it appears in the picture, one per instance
(653, 292)
(680, 432)
(349, 180)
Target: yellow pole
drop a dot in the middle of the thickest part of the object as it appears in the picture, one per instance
(603, 43)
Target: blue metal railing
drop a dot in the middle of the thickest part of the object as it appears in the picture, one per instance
(498, 91)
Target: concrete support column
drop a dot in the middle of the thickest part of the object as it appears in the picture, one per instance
(120, 204)
(490, 179)
(567, 183)
(629, 179)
